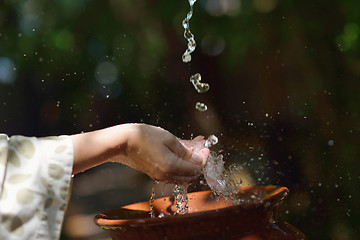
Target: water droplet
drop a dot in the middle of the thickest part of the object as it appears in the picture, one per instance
(192, 2)
(211, 141)
(200, 87)
(186, 57)
(201, 107)
(195, 78)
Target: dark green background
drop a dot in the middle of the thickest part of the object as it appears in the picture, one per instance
(284, 97)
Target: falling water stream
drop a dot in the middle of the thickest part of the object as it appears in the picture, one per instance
(186, 57)
(217, 178)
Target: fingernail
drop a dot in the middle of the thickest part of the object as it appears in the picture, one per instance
(197, 159)
(205, 154)
(203, 162)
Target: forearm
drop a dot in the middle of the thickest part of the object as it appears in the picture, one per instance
(94, 148)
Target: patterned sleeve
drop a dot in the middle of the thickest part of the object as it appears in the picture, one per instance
(35, 177)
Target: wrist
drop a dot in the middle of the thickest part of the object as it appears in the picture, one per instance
(97, 147)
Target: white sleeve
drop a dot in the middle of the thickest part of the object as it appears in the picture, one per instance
(35, 178)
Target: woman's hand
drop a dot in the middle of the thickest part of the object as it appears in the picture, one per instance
(146, 148)
(162, 156)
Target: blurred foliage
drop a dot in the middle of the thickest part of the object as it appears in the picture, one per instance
(284, 76)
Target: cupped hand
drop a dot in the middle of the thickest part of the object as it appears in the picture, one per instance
(162, 156)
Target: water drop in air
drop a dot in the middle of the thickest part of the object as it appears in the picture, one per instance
(186, 57)
(199, 86)
(201, 107)
(211, 141)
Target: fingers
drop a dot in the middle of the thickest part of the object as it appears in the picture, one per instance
(195, 144)
(172, 165)
(204, 154)
(183, 152)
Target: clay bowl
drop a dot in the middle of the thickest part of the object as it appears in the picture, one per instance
(209, 218)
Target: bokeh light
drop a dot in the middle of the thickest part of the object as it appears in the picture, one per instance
(221, 7)
(7, 70)
(212, 45)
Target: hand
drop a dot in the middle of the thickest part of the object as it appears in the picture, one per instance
(162, 156)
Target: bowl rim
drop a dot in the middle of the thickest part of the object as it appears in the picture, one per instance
(275, 194)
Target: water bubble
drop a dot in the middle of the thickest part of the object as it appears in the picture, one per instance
(331, 142)
(201, 107)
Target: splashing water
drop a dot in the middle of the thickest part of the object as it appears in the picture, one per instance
(221, 181)
(198, 85)
(212, 140)
(181, 199)
(152, 199)
(186, 57)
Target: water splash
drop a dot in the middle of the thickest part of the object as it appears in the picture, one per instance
(198, 85)
(181, 199)
(186, 57)
(201, 106)
(211, 141)
(152, 199)
(223, 183)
